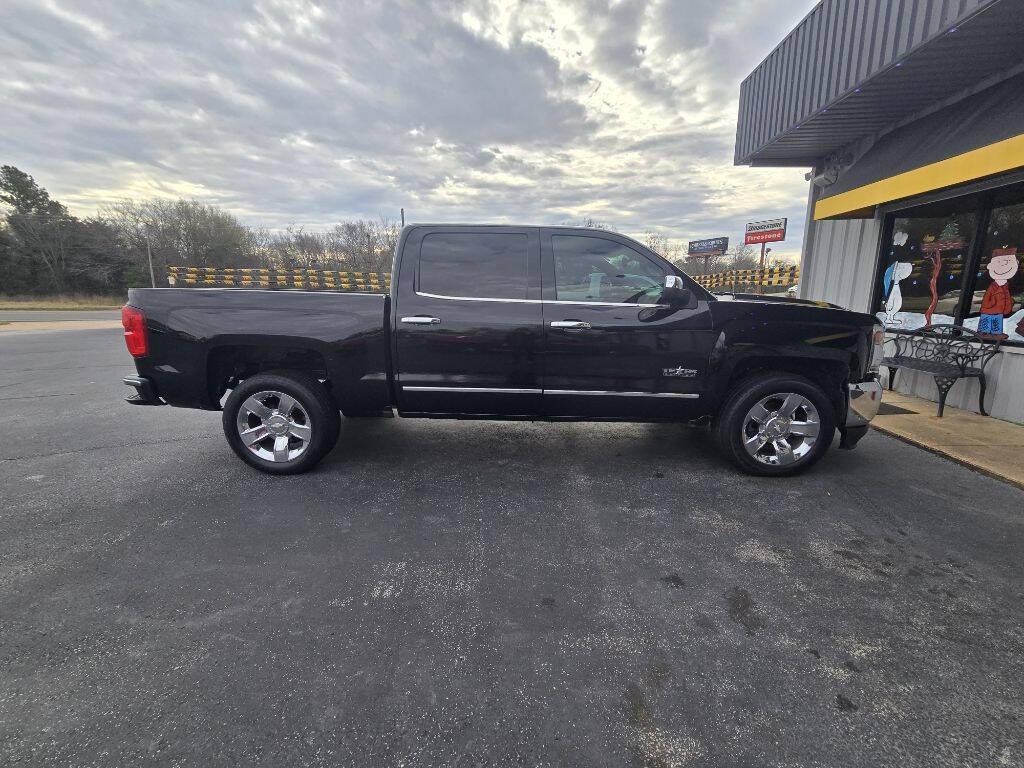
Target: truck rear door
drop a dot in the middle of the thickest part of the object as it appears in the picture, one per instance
(467, 322)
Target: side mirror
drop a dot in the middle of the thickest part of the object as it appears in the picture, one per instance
(675, 293)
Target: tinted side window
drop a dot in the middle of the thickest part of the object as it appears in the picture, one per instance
(470, 264)
(596, 269)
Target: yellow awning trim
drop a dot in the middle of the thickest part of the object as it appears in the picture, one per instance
(1006, 155)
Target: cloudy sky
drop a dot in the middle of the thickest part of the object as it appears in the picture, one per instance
(300, 112)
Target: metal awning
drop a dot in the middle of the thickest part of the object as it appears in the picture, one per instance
(978, 137)
(855, 67)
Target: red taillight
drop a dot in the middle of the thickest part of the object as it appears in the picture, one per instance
(135, 337)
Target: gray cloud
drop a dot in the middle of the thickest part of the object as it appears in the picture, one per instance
(293, 111)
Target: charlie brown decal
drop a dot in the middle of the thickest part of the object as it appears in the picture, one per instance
(997, 302)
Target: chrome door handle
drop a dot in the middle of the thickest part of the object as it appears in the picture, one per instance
(421, 320)
(578, 324)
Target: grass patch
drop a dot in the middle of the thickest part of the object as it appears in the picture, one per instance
(85, 301)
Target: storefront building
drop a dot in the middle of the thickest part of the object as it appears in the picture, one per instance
(910, 115)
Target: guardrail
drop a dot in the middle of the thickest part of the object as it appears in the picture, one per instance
(744, 278)
(333, 280)
(307, 279)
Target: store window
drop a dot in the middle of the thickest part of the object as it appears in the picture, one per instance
(997, 295)
(922, 269)
(957, 261)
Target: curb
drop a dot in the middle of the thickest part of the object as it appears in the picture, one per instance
(956, 459)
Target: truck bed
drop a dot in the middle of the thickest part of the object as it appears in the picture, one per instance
(197, 334)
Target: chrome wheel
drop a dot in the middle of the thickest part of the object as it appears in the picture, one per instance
(274, 426)
(781, 429)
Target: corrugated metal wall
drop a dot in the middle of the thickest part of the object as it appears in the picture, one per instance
(839, 262)
(838, 45)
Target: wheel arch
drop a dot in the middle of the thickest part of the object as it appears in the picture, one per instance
(829, 375)
(229, 363)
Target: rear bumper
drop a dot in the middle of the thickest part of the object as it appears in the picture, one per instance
(145, 392)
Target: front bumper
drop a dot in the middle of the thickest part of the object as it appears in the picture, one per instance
(863, 402)
(145, 392)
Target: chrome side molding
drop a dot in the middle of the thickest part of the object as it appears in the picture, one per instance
(507, 391)
(599, 392)
(484, 390)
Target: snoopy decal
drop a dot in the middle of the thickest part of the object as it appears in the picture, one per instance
(898, 270)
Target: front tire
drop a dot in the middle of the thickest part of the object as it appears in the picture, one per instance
(281, 423)
(776, 425)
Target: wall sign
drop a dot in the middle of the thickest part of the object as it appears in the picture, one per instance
(768, 231)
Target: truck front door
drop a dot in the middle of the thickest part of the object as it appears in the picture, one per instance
(612, 349)
(467, 322)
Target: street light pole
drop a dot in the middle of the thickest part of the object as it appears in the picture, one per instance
(149, 255)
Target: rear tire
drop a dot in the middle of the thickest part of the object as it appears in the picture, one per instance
(775, 425)
(281, 422)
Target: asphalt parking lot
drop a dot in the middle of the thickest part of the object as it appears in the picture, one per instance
(459, 593)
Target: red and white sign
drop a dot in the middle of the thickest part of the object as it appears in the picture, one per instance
(770, 231)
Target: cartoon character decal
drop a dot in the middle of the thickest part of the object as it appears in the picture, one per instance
(998, 302)
(898, 270)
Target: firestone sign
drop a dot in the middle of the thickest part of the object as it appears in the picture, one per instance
(770, 231)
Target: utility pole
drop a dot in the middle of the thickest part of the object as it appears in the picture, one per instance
(760, 275)
(403, 217)
(149, 254)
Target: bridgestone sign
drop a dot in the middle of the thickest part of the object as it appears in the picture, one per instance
(770, 231)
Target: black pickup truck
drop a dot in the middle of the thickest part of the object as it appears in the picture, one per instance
(510, 322)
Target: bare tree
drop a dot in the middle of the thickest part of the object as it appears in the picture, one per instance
(182, 232)
(49, 239)
(667, 249)
(369, 246)
(742, 256)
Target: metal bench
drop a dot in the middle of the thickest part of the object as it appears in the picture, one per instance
(947, 352)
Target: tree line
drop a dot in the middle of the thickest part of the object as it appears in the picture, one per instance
(44, 249)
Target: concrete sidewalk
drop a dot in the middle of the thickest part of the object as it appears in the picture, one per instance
(987, 445)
